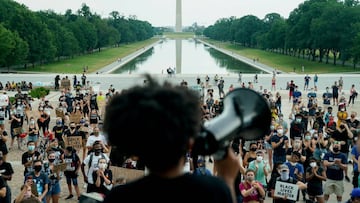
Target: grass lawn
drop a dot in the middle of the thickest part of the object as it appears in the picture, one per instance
(283, 62)
(94, 61)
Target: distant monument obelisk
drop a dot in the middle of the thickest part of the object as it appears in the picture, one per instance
(178, 25)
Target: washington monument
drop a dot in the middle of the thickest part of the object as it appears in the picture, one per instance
(178, 25)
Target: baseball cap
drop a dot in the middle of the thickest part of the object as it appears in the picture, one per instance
(201, 160)
(355, 192)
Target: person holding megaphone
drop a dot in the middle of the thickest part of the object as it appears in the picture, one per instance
(159, 124)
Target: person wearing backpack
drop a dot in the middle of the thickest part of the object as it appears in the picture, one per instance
(91, 161)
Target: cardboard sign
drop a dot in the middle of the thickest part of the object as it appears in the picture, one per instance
(76, 117)
(17, 131)
(286, 189)
(32, 113)
(129, 174)
(59, 113)
(74, 141)
(60, 167)
(65, 83)
(4, 100)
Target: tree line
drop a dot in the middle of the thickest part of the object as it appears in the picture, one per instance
(28, 37)
(318, 30)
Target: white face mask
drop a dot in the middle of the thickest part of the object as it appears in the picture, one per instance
(259, 158)
(102, 165)
(280, 131)
(313, 164)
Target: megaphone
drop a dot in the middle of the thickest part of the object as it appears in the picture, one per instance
(246, 115)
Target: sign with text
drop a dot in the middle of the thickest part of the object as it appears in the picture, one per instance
(74, 141)
(65, 84)
(59, 113)
(60, 167)
(128, 174)
(288, 190)
(4, 100)
(76, 117)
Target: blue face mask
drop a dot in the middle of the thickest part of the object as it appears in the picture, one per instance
(298, 120)
(31, 148)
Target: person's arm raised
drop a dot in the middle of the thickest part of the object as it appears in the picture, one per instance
(228, 169)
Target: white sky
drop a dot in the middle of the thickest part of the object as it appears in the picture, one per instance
(162, 12)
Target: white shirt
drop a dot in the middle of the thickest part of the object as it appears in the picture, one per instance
(94, 165)
(91, 139)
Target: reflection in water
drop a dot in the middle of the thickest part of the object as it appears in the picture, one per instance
(231, 64)
(133, 65)
(191, 57)
(178, 48)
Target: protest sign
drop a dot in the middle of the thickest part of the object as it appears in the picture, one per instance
(289, 190)
(4, 100)
(76, 117)
(128, 174)
(65, 84)
(59, 113)
(60, 167)
(74, 141)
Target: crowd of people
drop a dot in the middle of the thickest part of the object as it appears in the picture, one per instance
(311, 147)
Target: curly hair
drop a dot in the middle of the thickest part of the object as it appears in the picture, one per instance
(153, 122)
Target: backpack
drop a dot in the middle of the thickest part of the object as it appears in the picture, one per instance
(91, 157)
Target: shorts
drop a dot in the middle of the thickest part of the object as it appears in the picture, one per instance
(315, 191)
(33, 138)
(70, 179)
(291, 93)
(334, 186)
(268, 145)
(4, 149)
(54, 189)
(93, 121)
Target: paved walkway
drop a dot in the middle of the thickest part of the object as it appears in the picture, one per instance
(102, 81)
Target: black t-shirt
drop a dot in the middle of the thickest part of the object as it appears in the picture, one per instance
(58, 132)
(2, 143)
(341, 136)
(72, 164)
(290, 151)
(68, 133)
(280, 150)
(335, 90)
(102, 189)
(186, 188)
(296, 130)
(353, 124)
(2, 185)
(26, 157)
(315, 184)
(6, 169)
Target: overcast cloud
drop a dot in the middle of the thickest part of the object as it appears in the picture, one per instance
(162, 12)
